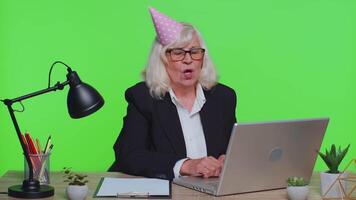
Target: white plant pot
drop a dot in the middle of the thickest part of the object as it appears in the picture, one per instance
(326, 180)
(297, 192)
(77, 192)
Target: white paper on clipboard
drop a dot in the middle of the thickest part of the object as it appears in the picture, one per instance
(116, 186)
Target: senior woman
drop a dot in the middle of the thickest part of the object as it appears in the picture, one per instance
(179, 120)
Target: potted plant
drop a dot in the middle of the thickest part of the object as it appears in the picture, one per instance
(297, 188)
(332, 159)
(77, 188)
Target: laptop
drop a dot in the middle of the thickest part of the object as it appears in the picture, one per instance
(261, 156)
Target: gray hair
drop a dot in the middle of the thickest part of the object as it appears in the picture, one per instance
(155, 74)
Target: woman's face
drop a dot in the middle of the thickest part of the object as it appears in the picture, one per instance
(182, 69)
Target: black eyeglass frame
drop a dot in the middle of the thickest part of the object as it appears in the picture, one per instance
(168, 51)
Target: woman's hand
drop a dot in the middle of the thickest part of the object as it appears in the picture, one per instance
(206, 167)
(222, 159)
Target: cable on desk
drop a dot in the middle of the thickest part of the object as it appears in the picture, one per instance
(3, 193)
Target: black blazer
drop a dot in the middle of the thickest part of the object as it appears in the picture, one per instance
(151, 140)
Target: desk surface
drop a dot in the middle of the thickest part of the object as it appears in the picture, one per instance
(178, 192)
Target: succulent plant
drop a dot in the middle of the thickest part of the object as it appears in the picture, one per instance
(296, 181)
(74, 178)
(333, 158)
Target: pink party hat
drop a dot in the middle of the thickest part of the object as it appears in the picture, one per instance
(167, 29)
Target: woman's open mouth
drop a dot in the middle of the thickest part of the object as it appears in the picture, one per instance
(188, 73)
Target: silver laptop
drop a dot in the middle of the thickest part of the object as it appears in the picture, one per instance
(261, 156)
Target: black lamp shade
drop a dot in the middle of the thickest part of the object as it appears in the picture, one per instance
(82, 99)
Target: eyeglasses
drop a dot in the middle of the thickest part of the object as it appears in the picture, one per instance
(178, 54)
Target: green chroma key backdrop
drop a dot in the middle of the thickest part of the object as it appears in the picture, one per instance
(285, 59)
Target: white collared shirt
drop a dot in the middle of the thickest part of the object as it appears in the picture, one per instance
(192, 128)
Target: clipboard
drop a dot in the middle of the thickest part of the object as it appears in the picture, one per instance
(106, 188)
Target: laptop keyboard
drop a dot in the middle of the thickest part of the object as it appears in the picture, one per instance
(213, 184)
(210, 187)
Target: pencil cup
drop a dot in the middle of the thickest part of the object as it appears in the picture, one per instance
(41, 164)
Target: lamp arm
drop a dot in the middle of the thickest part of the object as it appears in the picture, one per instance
(9, 102)
(57, 86)
(25, 150)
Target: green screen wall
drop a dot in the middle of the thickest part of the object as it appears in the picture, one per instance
(285, 59)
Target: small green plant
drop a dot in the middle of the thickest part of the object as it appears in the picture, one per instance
(296, 181)
(74, 178)
(333, 158)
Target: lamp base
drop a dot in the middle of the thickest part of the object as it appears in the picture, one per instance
(30, 190)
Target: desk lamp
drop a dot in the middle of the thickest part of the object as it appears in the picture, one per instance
(82, 100)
